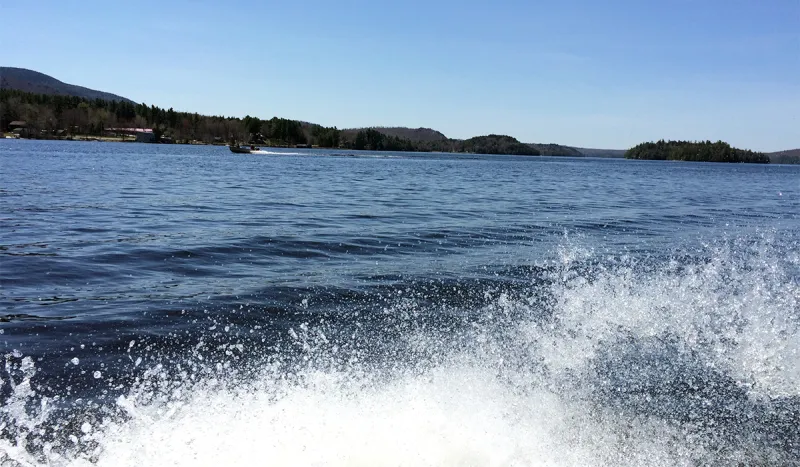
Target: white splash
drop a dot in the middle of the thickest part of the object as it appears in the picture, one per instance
(493, 402)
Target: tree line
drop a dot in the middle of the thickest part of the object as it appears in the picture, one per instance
(45, 114)
(48, 116)
(698, 151)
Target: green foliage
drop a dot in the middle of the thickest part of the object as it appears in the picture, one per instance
(325, 137)
(702, 151)
(252, 124)
(284, 131)
(373, 140)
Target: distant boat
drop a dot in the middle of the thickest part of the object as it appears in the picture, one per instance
(242, 149)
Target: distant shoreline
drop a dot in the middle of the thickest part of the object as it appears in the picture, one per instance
(131, 139)
(791, 157)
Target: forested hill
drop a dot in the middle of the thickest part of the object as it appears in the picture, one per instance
(412, 134)
(497, 144)
(25, 80)
(702, 151)
(555, 150)
(376, 140)
(436, 141)
(421, 139)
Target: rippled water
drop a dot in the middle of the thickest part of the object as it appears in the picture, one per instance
(175, 305)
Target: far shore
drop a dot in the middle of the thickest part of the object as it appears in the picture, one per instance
(131, 139)
(110, 139)
(775, 158)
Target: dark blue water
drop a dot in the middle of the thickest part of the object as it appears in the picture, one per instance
(175, 304)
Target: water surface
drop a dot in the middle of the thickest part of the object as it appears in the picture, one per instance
(168, 305)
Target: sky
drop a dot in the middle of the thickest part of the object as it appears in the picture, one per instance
(582, 73)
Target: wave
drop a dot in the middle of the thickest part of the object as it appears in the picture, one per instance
(585, 360)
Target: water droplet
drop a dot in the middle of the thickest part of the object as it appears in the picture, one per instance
(86, 427)
(97, 375)
(75, 361)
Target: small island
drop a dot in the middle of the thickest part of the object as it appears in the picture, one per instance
(700, 151)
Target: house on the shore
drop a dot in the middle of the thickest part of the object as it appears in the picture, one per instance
(19, 128)
(142, 135)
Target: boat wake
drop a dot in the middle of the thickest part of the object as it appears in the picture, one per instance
(279, 153)
(590, 360)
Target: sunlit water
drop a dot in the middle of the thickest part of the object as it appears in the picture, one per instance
(174, 305)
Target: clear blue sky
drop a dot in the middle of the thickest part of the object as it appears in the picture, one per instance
(577, 72)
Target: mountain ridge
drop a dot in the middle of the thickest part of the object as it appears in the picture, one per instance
(23, 79)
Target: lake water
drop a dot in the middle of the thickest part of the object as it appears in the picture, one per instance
(180, 305)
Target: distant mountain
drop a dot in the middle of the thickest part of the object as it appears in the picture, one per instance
(31, 81)
(590, 152)
(791, 156)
